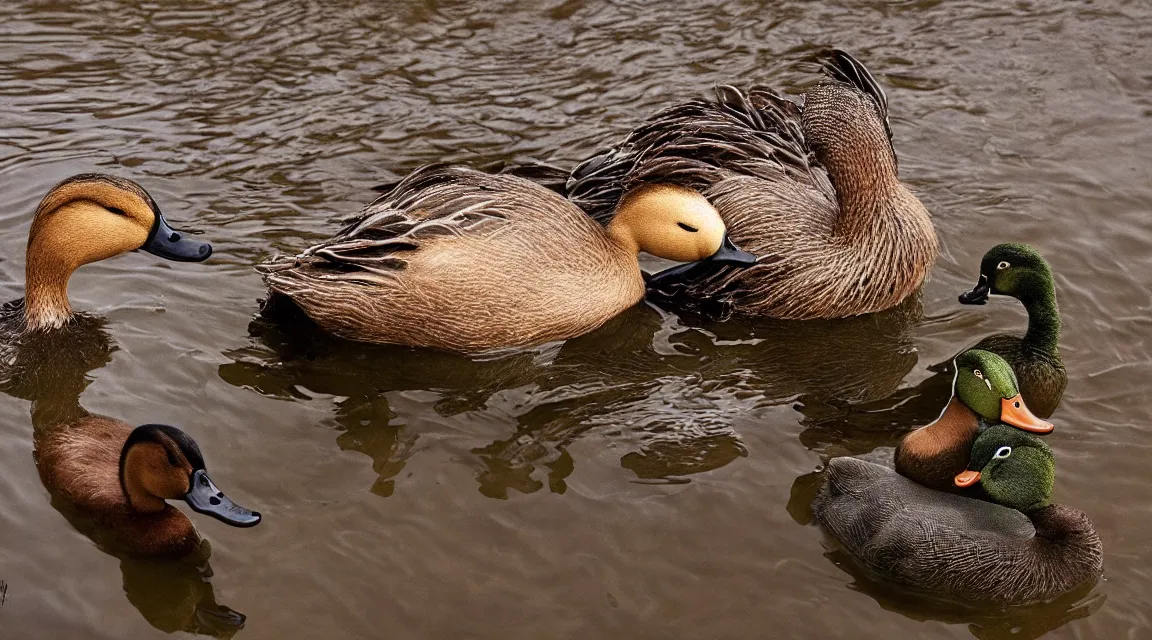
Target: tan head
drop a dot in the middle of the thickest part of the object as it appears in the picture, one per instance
(85, 219)
(159, 463)
(669, 222)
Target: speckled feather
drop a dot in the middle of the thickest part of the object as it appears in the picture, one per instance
(954, 546)
(460, 260)
(834, 247)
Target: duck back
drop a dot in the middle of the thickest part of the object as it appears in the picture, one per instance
(459, 260)
(954, 546)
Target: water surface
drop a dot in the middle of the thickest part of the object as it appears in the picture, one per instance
(647, 481)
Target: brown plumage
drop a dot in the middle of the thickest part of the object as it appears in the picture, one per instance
(120, 477)
(464, 261)
(815, 187)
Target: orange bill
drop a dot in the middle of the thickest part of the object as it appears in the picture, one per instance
(1013, 411)
(967, 478)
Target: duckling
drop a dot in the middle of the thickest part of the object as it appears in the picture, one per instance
(1018, 270)
(464, 261)
(1018, 550)
(984, 391)
(84, 219)
(816, 187)
(120, 477)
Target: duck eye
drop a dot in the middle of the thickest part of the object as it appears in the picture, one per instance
(1003, 265)
(1003, 452)
(119, 212)
(688, 228)
(979, 374)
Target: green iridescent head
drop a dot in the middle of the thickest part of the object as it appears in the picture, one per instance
(1011, 269)
(986, 384)
(1014, 468)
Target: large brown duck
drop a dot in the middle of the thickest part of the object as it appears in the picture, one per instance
(120, 477)
(814, 189)
(463, 261)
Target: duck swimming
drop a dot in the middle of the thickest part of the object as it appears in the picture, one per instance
(1018, 550)
(463, 261)
(120, 476)
(815, 187)
(1019, 271)
(84, 219)
(984, 392)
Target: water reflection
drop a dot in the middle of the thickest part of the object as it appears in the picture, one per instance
(52, 370)
(662, 387)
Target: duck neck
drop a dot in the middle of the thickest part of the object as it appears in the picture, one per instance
(46, 303)
(140, 499)
(621, 234)
(1043, 335)
(932, 455)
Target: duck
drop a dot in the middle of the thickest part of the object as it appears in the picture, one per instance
(121, 476)
(465, 261)
(984, 393)
(815, 187)
(1018, 549)
(1019, 271)
(84, 219)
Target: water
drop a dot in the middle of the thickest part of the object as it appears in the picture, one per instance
(648, 480)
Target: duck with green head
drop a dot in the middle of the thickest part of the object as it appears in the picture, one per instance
(984, 392)
(1020, 548)
(1019, 271)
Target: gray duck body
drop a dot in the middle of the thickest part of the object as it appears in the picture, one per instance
(953, 546)
(815, 188)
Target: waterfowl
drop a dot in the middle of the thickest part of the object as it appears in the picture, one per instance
(464, 261)
(984, 392)
(815, 187)
(84, 219)
(120, 477)
(1019, 271)
(1019, 549)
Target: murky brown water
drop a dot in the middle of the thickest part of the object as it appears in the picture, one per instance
(648, 480)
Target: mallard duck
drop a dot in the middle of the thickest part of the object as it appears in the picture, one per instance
(1017, 550)
(814, 187)
(1020, 271)
(120, 476)
(84, 219)
(463, 261)
(984, 391)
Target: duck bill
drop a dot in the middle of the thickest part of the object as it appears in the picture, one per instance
(730, 255)
(1013, 411)
(205, 498)
(978, 294)
(727, 255)
(166, 242)
(966, 479)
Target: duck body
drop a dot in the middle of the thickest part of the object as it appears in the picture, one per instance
(79, 463)
(954, 546)
(463, 261)
(814, 187)
(119, 476)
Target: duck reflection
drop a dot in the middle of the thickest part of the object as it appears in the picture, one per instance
(663, 388)
(52, 371)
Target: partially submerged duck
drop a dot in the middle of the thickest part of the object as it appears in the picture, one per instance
(120, 477)
(1018, 550)
(1019, 271)
(463, 261)
(814, 186)
(84, 219)
(984, 392)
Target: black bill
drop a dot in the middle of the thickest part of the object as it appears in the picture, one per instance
(205, 498)
(727, 255)
(978, 294)
(166, 242)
